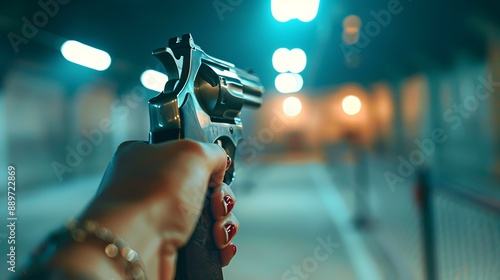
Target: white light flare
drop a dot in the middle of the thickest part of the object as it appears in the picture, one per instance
(154, 80)
(280, 60)
(298, 60)
(309, 10)
(292, 106)
(351, 105)
(285, 60)
(85, 55)
(303, 10)
(288, 82)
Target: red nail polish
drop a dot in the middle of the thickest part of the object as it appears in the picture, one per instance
(231, 231)
(229, 203)
(228, 162)
(234, 249)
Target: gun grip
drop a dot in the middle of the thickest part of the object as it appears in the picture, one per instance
(200, 258)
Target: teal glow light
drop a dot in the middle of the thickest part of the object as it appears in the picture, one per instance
(285, 60)
(288, 82)
(280, 60)
(303, 10)
(85, 55)
(298, 60)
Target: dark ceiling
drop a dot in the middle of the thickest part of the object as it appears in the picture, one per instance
(426, 35)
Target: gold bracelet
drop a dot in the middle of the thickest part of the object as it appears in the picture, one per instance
(115, 246)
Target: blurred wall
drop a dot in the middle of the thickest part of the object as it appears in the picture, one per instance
(449, 116)
(54, 131)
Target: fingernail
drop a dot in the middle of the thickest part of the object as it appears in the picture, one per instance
(228, 204)
(228, 162)
(230, 232)
(234, 249)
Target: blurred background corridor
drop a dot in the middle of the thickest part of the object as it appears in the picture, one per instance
(377, 144)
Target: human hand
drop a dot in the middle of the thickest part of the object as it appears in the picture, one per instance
(152, 196)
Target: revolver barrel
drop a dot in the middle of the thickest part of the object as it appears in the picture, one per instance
(252, 88)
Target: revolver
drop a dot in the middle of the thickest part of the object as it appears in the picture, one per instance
(202, 100)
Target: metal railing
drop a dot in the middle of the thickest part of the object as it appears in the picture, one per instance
(460, 230)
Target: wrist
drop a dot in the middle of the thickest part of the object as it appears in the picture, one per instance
(134, 224)
(96, 265)
(60, 257)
